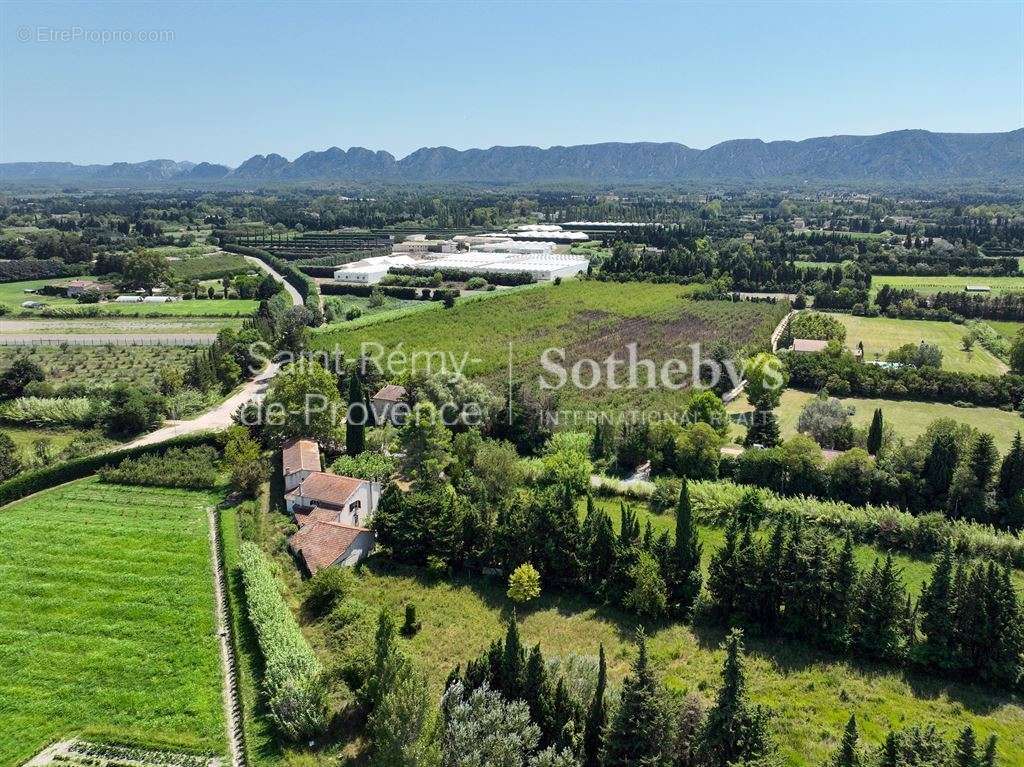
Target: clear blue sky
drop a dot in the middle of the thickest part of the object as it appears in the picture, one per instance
(238, 79)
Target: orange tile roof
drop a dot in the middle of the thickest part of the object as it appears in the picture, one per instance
(300, 455)
(326, 488)
(391, 393)
(321, 544)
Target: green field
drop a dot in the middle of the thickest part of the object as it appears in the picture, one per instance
(589, 320)
(107, 621)
(24, 437)
(12, 295)
(881, 334)
(1005, 328)
(201, 267)
(947, 284)
(908, 418)
(363, 302)
(100, 364)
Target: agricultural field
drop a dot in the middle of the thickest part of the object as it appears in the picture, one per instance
(203, 267)
(908, 418)
(100, 364)
(12, 294)
(113, 325)
(588, 319)
(947, 284)
(107, 623)
(363, 303)
(882, 334)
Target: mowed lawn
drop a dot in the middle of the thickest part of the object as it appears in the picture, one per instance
(947, 284)
(909, 419)
(882, 334)
(587, 319)
(107, 620)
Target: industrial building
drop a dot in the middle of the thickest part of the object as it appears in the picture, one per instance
(369, 271)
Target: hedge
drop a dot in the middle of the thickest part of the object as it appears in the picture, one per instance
(43, 479)
(511, 279)
(392, 291)
(39, 269)
(884, 526)
(292, 677)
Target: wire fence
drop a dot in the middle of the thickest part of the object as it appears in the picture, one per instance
(194, 339)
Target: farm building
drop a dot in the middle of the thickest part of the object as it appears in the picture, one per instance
(127, 299)
(159, 299)
(75, 288)
(384, 404)
(978, 289)
(332, 511)
(369, 271)
(543, 266)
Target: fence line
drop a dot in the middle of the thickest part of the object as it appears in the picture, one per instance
(111, 340)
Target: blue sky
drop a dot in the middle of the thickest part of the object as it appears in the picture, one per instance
(236, 79)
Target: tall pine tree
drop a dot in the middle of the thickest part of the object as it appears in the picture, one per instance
(596, 726)
(734, 730)
(683, 576)
(638, 734)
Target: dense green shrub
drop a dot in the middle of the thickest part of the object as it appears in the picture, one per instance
(193, 468)
(48, 411)
(293, 677)
(816, 325)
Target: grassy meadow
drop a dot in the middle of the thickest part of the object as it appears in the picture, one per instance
(882, 334)
(586, 319)
(952, 283)
(908, 418)
(107, 621)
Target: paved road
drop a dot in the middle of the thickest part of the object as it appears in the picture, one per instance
(292, 292)
(221, 416)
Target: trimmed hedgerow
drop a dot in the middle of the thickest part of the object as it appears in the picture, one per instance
(42, 479)
(293, 677)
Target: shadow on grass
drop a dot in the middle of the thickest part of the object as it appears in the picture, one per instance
(791, 656)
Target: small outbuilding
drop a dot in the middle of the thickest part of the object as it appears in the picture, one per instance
(385, 405)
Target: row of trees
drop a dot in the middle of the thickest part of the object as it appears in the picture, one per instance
(798, 583)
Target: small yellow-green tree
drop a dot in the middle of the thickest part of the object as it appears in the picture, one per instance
(524, 583)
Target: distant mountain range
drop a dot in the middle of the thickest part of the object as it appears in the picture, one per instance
(907, 156)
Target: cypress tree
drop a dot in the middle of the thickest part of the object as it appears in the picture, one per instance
(880, 624)
(600, 560)
(965, 753)
(565, 716)
(848, 756)
(596, 726)
(723, 575)
(763, 430)
(683, 576)
(875, 433)
(890, 752)
(936, 609)
(734, 730)
(939, 467)
(988, 758)
(638, 734)
(1011, 473)
(355, 423)
(538, 695)
(842, 591)
(512, 662)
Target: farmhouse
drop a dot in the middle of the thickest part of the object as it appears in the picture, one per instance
(384, 404)
(332, 511)
(75, 288)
